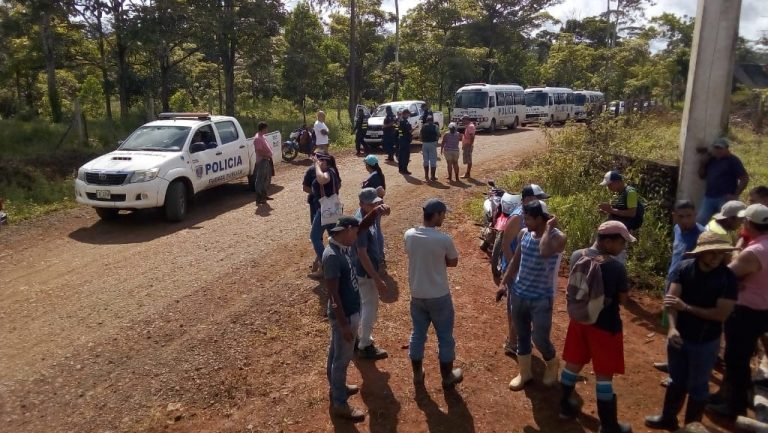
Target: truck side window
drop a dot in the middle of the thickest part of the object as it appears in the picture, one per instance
(206, 135)
(227, 132)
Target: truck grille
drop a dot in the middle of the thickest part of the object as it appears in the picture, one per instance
(375, 127)
(95, 178)
(114, 197)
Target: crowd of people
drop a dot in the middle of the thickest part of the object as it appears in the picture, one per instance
(717, 280)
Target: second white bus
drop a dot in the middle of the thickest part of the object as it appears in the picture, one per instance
(548, 105)
(490, 106)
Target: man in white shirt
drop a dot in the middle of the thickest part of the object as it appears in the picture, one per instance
(430, 254)
(321, 132)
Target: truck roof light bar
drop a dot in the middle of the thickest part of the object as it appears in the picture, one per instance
(194, 116)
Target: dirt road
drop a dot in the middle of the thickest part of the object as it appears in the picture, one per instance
(212, 325)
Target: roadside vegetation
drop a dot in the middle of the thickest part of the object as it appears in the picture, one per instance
(645, 148)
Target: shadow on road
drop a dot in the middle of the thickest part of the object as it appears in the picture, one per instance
(383, 407)
(458, 419)
(147, 225)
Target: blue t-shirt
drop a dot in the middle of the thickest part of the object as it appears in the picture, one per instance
(373, 181)
(329, 188)
(369, 241)
(338, 263)
(684, 242)
(723, 176)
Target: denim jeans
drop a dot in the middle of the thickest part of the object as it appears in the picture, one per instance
(742, 331)
(438, 312)
(429, 154)
(709, 206)
(533, 322)
(340, 353)
(316, 235)
(691, 365)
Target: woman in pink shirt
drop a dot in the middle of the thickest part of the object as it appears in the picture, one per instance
(263, 170)
(750, 317)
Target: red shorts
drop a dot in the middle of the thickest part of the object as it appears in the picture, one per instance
(584, 343)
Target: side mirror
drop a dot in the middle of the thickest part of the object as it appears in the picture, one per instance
(196, 147)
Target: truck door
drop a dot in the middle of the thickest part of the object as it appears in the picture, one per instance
(233, 149)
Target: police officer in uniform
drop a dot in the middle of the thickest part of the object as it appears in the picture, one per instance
(390, 133)
(361, 127)
(404, 143)
(426, 113)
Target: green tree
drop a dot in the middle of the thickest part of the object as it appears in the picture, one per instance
(569, 64)
(304, 61)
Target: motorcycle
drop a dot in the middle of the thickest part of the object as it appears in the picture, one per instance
(491, 210)
(498, 208)
(292, 147)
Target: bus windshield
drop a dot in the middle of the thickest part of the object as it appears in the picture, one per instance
(471, 100)
(536, 99)
(579, 99)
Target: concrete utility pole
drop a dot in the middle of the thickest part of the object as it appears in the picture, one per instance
(708, 96)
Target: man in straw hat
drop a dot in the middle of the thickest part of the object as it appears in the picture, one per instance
(702, 294)
(750, 316)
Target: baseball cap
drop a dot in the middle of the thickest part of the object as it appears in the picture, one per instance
(536, 208)
(615, 228)
(344, 223)
(452, 125)
(721, 143)
(611, 176)
(730, 209)
(371, 160)
(756, 213)
(434, 206)
(369, 196)
(509, 202)
(534, 190)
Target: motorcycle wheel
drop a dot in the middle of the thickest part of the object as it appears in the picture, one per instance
(290, 154)
(496, 253)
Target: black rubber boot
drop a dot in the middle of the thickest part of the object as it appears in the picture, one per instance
(673, 403)
(451, 376)
(568, 409)
(418, 371)
(607, 411)
(433, 173)
(694, 411)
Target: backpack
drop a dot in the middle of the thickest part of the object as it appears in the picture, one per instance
(636, 222)
(585, 293)
(305, 137)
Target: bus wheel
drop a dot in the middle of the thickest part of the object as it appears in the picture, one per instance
(515, 124)
(551, 121)
(493, 126)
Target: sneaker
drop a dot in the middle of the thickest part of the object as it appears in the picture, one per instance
(348, 412)
(666, 381)
(372, 352)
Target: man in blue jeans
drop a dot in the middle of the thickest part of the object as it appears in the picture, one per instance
(340, 277)
(533, 270)
(702, 294)
(430, 254)
(725, 178)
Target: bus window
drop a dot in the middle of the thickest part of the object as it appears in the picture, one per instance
(491, 101)
(551, 100)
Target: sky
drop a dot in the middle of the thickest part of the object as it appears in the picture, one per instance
(754, 16)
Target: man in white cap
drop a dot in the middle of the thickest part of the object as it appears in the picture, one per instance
(750, 317)
(726, 223)
(625, 205)
(724, 175)
(598, 339)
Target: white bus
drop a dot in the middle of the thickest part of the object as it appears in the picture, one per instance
(490, 106)
(548, 105)
(587, 104)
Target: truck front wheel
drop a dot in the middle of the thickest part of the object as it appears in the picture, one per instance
(176, 202)
(107, 214)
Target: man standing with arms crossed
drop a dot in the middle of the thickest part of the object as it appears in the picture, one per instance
(468, 143)
(430, 254)
(322, 134)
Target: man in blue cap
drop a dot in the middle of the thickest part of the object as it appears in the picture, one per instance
(430, 253)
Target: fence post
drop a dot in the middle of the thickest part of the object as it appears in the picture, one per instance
(79, 120)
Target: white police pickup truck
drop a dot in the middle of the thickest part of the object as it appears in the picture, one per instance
(375, 133)
(164, 163)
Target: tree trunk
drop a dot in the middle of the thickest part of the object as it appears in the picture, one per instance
(105, 84)
(50, 66)
(228, 64)
(165, 91)
(396, 87)
(121, 51)
(352, 59)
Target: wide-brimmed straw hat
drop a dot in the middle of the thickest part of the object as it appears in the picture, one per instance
(710, 241)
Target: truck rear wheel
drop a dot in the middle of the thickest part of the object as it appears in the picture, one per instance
(107, 214)
(176, 202)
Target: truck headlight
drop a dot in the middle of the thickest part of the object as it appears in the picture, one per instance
(81, 174)
(144, 175)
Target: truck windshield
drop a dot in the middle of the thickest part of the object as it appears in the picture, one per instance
(471, 100)
(536, 99)
(579, 99)
(382, 110)
(163, 138)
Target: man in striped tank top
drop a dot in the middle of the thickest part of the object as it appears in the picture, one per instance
(533, 270)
